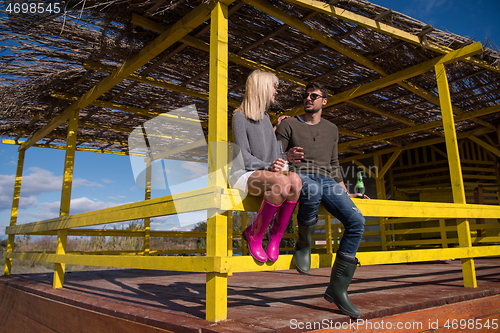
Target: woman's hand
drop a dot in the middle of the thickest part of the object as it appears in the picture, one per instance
(295, 154)
(280, 119)
(277, 165)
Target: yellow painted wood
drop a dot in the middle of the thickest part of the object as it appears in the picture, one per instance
(190, 21)
(285, 262)
(170, 263)
(389, 163)
(366, 169)
(328, 234)
(60, 267)
(201, 199)
(90, 150)
(383, 28)
(485, 145)
(421, 127)
(69, 162)
(419, 91)
(133, 110)
(319, 36)
(455, 171)
(203, 46)
(155, 82)
(407, 73)
(217, 225)
(147, 196)
(388, 208)
(15, 209)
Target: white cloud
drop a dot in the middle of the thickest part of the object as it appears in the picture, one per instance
(107, 181)
(196, 169)
(35, 182)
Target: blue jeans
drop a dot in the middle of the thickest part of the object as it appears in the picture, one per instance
(318, 189)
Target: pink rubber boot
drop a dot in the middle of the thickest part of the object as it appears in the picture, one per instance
(276, 232)
(254, 233)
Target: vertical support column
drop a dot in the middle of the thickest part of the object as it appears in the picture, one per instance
(216, 289)
(244, 247)
(15, 208)
(457, 182)
(147, 196)
(328, 233)
(381, 195)
(69, 162)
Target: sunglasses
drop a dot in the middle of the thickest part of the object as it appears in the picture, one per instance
(313, 96)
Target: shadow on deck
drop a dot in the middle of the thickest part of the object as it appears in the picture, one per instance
(275, 301)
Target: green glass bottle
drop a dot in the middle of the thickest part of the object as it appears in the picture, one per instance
(360, 186)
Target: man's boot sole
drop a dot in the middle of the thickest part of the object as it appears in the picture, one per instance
(344, 311)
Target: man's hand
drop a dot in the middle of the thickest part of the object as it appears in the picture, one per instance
(358, 195)
(295, 154)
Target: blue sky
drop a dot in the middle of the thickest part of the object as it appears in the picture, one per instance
(479, 19)
(102, 180)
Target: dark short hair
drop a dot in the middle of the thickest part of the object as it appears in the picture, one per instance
(318, 86)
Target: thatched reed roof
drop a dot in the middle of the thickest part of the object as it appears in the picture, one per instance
(48, 61)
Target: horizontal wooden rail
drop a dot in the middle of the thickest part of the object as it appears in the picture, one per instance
(248, 264)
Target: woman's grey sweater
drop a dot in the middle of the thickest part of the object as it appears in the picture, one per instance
(256, 141)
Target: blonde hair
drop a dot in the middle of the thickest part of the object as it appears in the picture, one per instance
(259, 91)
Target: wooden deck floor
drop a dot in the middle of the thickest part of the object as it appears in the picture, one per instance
(257, 302)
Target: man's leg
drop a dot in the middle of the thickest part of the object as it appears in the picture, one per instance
(307, 217)
(338, 203)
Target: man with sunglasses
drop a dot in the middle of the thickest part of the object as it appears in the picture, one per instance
(312, 150)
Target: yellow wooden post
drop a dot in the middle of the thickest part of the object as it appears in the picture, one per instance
(244, 250)
(147, 196)
(216, 290)
(15, 208)
(381, 193)
(457, 182)
(328, 233)
(69, 162)
(444, 237)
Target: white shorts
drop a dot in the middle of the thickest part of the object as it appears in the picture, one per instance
(242, 182)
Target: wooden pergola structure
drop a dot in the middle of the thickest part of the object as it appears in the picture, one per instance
(395, 85)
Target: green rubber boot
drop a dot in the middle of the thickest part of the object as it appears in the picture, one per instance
(302, 256)
(342, 272)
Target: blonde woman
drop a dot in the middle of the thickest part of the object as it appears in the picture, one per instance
(253, 133)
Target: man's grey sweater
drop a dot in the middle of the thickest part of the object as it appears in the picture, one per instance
(320, 144)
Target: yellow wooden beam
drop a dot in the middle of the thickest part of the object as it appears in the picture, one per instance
(15, 209)
(425, 143)
(397, 77)
(69, 162)
(53, 146)
(383, 28)
(170, 263)
(203, 46)
(201, 199)
(366, 169)
(285, 262)
(89, 64)
(389, 163)
(319, 36)
(190, 21)
(435, 100)
(422, 127)
(128, 109)
(217, 229)
(485, 145)
(457, 182)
